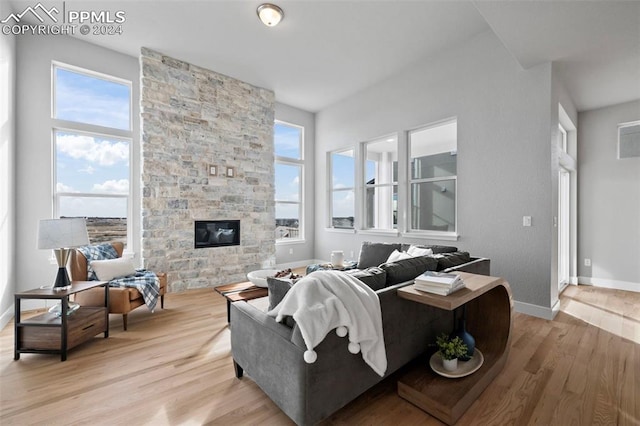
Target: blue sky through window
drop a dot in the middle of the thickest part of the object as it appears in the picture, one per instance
(287, 141)
(288, 144)
(343, 170)
(287, 182)
(86, 99)
(88, 163)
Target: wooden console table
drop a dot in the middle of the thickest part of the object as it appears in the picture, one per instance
(489, 320)
(47, 333)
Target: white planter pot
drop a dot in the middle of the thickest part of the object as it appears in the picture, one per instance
(450, 364)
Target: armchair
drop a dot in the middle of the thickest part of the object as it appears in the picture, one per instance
(122, 300)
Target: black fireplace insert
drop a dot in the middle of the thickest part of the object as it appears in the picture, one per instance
(217, 233)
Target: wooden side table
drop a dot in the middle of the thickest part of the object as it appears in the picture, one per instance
(47, 333)
(489, 320)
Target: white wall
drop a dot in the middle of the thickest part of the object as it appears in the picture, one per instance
(301, 251)
(609, 200)
(7, 172)
(504, 164)
(34, 193)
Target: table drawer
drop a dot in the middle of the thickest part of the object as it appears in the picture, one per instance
(82, 325)
(93, 323)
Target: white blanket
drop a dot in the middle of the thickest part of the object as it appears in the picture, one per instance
(324, 300)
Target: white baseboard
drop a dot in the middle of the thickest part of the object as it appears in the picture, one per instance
(607, 283)
(536, 311)
(7, 316)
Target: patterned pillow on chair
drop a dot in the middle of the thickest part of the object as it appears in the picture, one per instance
(99, 252)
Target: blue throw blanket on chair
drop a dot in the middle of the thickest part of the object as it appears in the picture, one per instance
(146, 282)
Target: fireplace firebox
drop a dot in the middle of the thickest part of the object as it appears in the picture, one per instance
(216, 233)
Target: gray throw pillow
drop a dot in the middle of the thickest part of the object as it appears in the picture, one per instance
(408, 269)
(374, 254)
(278, 288)
(374, 277)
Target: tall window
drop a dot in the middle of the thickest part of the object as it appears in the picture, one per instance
(92, 145)
(381, 184)
(289, 172)
(342, 188)
(433, 178)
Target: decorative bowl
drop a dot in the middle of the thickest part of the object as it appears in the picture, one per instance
(259, 278)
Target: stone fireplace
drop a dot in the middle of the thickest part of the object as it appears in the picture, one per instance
(194, 121)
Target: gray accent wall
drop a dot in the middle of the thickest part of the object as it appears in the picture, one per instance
(34, 148)
(7, 171)
(193, 118)
(609, 200)
(504, 155)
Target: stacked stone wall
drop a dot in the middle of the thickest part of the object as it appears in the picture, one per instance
(193, 118)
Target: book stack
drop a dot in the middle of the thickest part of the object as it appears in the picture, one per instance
(439, 283)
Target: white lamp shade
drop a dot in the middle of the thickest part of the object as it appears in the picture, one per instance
(62, 233)
(270, 14)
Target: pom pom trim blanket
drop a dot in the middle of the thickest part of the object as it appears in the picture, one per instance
(327, 300)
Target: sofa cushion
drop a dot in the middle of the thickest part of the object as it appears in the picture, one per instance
(435, 249)
(375, 254)
(374, 277)
(408, 269)
(449, 260)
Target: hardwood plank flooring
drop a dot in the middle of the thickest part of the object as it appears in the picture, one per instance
(173, 367)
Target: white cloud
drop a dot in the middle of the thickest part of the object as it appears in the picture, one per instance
(102, 152)
(88, 170)
(296, 180)
(112, 187)
(61, 187)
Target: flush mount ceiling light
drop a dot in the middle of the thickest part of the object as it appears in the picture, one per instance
(270, 14)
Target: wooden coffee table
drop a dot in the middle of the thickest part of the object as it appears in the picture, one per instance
(240, 292)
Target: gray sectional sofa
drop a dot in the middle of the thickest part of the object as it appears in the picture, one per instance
(271, 353)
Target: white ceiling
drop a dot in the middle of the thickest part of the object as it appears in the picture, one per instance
(324, 51)
(595, 44)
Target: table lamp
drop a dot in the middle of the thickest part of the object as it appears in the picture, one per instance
(61, 235)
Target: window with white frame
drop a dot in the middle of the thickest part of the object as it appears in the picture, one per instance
(289, 174)
(342, 188)
(380, 168)
(433, 178)
(92, 136)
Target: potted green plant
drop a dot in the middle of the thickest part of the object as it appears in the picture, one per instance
(450, 349)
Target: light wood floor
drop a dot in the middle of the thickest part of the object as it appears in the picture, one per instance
(174, 367)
